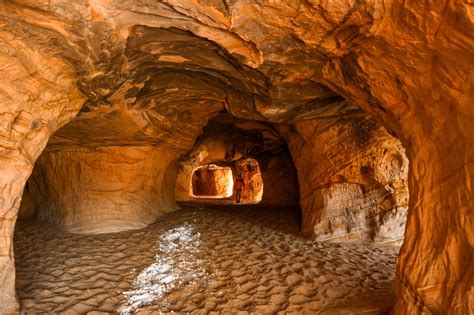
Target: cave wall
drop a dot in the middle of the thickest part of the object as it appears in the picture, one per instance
(353, 179)
(280, 181)
(254, 185)
(415, 75)
(38, 96)
(26, 211)
(101, 190)
(183, 182)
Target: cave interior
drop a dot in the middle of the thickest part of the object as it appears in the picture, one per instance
(354, 116)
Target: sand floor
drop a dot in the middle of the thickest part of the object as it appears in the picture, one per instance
(201, 259)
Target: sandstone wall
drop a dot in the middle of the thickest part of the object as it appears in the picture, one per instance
(280, 181)
(26, 211)
(183, 182)
(38, 95)
(413, 70)
(353, 179)
(101, 190)
(254, 185)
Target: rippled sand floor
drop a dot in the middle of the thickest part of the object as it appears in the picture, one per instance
(201, 259)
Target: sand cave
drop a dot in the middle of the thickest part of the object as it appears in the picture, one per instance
(125, 126)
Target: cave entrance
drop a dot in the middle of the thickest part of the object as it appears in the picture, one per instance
(212, 181)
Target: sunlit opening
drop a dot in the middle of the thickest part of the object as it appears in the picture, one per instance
(212, 182)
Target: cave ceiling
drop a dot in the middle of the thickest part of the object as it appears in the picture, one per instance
(226, 139)
(156, 72)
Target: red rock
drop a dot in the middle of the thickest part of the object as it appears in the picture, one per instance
(137, 74)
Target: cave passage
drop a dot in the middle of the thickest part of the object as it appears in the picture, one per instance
(209, 254)
(212, 182)
(111, 105)
(229, 146)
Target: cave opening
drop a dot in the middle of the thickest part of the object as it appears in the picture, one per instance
(211, 181)
(253, 149)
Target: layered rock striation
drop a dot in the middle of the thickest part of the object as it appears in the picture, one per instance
(102, 190)
(353, 179)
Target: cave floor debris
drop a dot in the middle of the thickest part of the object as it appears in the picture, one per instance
(202, 259)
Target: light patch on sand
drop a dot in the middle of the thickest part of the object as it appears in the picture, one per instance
(177, 265)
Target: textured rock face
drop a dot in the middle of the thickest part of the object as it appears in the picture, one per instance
(280, 181)
(143, 73)
(353, 179)
(104, 189)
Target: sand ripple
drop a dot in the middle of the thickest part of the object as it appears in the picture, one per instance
(201, 260)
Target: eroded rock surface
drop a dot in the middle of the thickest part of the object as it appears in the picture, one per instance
(104, 189)
(353, 179)
(280, 179)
